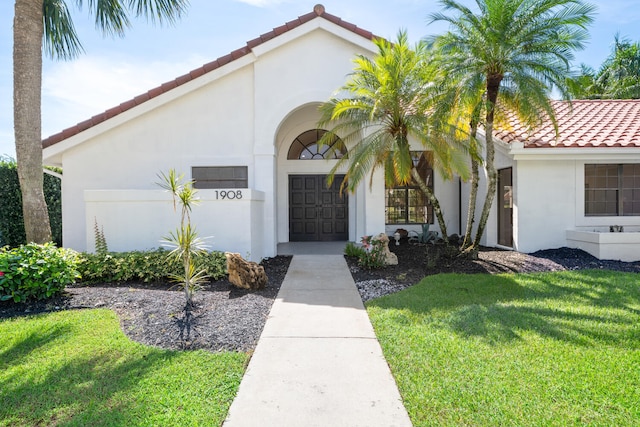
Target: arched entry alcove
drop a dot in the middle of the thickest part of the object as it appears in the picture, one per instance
(307, 209)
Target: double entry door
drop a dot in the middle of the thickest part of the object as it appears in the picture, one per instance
(317, 212)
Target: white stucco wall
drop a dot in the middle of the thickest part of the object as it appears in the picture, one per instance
(546, 203)
(245, 113)
(178, 134)
(550, 196)
(502, 160)
(125, 215)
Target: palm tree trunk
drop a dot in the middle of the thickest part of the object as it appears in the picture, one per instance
(493, 87)
(437, 210)
(492, 184)
(473, 193)
(27, 86)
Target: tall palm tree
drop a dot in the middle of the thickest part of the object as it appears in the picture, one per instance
(617, 78)
(461, 106)
(620, 73)
(48, 23)
(584, 84)
(386, 102)
(523, 47)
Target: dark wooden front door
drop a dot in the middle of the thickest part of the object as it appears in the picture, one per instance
(317, 213)
(505, 207)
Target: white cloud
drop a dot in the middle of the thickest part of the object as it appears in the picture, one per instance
(75, 91)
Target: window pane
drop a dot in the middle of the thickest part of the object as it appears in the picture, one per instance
(396, 206)
(407, 204)
(612, 190)
(417, 207)
(601, 190)
(305, 147)
(630, 189)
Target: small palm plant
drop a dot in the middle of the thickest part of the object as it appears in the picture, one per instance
(184, 240)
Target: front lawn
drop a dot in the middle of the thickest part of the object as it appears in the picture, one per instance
(77, 368)
(541, 349)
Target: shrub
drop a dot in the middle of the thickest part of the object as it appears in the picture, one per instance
(353, 250)
(373, 253)
(36, 271)
(11, 222)
(144, 266)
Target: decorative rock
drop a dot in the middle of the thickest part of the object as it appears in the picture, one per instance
(389, 257)
(245, 274)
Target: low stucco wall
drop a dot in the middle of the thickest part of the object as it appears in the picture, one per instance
(229, 219)
(602, 245)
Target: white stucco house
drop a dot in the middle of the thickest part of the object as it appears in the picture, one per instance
(243, 127)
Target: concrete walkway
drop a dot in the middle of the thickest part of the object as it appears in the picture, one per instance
(317, 362)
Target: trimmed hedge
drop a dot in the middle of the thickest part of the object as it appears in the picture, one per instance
(145, 266)
(41, 271)
(36, 271)
(11, 222)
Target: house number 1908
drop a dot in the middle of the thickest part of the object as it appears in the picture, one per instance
(231, 195)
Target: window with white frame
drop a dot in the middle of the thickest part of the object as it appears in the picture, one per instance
(612, 189)
(407, 204)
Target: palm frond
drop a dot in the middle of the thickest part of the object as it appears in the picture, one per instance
(60, 38)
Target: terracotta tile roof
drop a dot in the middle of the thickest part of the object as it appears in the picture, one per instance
(318, 11)
(584, 123)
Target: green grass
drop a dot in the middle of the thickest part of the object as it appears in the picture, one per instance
(77, 368)
(547, 349)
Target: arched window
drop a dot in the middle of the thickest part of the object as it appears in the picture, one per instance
(305, 147)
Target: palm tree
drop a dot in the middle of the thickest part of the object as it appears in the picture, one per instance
(48, 22)
(617, 78)
(522, 47)
(584, 84)
(386, 101)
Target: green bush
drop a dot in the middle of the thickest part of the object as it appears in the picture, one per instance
(145, 266)
(11, 222)
(372, 255)
(36, 271)
(354, 250)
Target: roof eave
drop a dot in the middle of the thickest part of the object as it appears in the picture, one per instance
(55, 144)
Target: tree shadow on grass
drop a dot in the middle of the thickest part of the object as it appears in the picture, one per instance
(84, 389)
(586, 308)
(15, 354)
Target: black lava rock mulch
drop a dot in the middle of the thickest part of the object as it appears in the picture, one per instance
(227, 318)
(412, 266)
(223, 317)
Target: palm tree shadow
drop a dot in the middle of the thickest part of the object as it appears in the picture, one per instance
(585, 308)
(92, 382)
(187, 324)
(15, 354)
(97, 376)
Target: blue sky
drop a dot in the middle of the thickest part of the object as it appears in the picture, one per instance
(113, 70)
